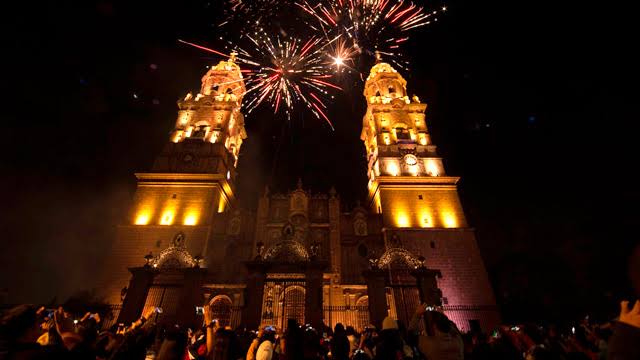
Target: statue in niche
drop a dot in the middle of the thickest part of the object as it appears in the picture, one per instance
(395, 241)
(178, 239)
(234, 226)
(288, 232)
(315, 249)
(259, 250)
(360, 227)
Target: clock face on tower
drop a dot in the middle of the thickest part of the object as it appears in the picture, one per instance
(410, 159)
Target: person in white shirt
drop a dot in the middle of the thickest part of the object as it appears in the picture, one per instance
(265, 349)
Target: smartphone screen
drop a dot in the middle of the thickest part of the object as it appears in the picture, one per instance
(199, 310)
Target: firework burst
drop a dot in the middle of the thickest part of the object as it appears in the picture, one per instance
(283, 73)
(370, 25)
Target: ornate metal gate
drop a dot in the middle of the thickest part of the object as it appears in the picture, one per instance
(283, 299)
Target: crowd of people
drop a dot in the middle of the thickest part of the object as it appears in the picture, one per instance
(29, 332)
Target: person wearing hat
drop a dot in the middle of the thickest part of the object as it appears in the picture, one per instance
(390, 344)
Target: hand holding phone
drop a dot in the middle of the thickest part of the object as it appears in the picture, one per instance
(199, 310)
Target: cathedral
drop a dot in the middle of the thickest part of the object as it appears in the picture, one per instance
(301, 255)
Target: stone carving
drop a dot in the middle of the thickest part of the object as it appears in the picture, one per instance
(398, 257)
(174, 257)
(360, 227)
(287, 251)
(178, 240)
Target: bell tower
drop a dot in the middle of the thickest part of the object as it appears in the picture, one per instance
(190, 189)
(407, 181)
(417, 201)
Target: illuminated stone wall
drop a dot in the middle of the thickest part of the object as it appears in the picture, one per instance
(133, 242)
(190, 191)
(416, 206)
(417, 201)
(179, 204)
(464, 281)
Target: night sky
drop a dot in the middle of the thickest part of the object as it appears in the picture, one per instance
(533, 104)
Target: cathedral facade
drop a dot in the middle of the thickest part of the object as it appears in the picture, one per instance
(300, 254)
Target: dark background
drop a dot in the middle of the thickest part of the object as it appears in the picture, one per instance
(533, 103)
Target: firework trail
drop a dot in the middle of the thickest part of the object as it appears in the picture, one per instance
(283, 73)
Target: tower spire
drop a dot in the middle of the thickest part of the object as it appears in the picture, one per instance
(213, 115)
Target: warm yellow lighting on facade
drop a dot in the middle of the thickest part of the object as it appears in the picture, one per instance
(167, 217)
(143, 218)
(378, 204)
(432, 168)
(426, 220)
(184, 119)
(386, 138)
(215, 135)
(191, 218)
(403, 220)
(222, 205)
(177, 135)
(449, 220)
(392, 168)
(423, 138)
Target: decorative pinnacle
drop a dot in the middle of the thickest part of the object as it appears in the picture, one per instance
(233, 55)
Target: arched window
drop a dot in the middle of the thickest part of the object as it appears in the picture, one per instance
(402, 134)
(294, 303)
(362, 308)
(221, 309)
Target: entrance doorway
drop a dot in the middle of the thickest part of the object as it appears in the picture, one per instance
(283, 299)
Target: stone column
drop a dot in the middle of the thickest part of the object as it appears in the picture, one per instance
(192, 296)
(133, 304)
(428, 286)
(313, 312)
(252, 312)
(375, 280)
